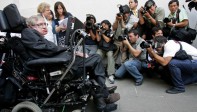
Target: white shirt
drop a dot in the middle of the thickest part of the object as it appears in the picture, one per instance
(171, 47)
(50, 36)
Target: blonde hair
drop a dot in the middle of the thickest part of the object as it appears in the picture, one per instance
(31, 21)
(42, 6)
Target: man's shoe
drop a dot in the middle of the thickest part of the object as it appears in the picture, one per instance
(112, 98)
(110, 107)
(174, 91)
(138, 83)
(111, 79)
(100, 103)
(111, 89)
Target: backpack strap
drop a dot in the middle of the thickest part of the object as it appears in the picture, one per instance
(179, 44)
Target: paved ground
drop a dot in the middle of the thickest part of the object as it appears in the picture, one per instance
(151, 97)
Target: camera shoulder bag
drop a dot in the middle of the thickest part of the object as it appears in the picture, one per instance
(186, 34)
(181, 54)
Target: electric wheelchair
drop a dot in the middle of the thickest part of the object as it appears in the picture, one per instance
(46, 84)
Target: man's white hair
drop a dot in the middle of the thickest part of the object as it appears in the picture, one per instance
(31, 21)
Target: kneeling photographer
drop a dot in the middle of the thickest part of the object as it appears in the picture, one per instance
(106, 47)
(182, 71)
(137, 57)
(91, 29)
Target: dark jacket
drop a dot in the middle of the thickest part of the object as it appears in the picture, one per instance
(39, 47)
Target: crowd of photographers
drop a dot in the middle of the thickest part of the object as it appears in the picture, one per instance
(139, 40)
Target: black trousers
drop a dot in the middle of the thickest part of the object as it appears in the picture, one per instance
(94, 63)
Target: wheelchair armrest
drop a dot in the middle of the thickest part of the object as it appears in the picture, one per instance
(47, 61)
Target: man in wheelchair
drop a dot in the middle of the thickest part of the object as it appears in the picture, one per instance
(39, 47)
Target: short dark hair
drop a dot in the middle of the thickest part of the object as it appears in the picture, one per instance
(106, 22)
(155, 29)
(134, 31)
(172, 1)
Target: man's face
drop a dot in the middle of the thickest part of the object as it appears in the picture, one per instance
(132, 37)
(47, 12)
(132, 5)
(105, 26)
(41, 27)
(126, 16)
(173, 7)
(158, 33)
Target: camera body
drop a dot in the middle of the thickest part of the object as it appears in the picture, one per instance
(167, 20)
(123, 36)
(144, 10)
(91, 25)
(144, 44)
(97, 26)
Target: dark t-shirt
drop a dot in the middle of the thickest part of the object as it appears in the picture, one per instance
(107, 46)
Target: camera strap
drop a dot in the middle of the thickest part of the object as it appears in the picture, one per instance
(177, 15)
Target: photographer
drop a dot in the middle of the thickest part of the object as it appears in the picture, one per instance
(90, 27)
(182, 71)
(123, 21)
(150, 15)
(137, 58)
(105, 47)
(177, 18)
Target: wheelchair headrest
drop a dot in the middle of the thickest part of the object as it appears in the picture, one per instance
(11, 20)
(3, 22)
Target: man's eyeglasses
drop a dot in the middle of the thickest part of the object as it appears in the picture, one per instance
(41, 25)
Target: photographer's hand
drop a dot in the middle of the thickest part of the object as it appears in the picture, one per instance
(141, 9)
(126, 42)
(147, 15)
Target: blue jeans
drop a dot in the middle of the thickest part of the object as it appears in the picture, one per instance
(183, 72)
(132, 67)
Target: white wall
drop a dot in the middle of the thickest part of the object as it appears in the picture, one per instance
(102, 9)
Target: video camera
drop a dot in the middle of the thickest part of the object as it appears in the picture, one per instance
(123, 9)
(90, 24)
(123, 36)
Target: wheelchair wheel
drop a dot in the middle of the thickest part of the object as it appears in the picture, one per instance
(26, 107)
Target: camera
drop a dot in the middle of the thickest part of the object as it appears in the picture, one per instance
(119, 14)
(97, 26)
(167, 20)
(144, 10)
(123, 36)
(123, 9)
(145, 44)
(89, 23)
